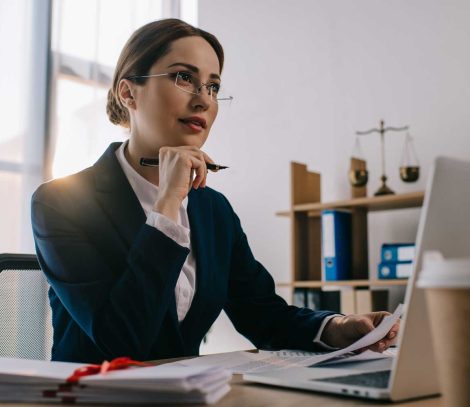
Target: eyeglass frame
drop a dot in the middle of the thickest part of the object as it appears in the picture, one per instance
(206, 85)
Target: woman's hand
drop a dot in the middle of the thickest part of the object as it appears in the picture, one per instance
(176, 168)
(341, 332)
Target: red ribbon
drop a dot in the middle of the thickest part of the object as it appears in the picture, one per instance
(115, 364)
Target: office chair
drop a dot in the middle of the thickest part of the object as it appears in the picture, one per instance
(25, 316)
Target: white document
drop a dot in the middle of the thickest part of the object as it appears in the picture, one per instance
(242, 362)
(306, 359)
(367, 340)
(236, 362)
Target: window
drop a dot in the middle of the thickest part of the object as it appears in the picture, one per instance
(21, 83)
(87, 37)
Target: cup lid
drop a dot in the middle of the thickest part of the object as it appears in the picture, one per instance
(439, 272)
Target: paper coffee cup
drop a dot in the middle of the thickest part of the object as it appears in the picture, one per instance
(447, 286)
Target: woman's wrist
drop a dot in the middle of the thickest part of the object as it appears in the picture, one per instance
(331, 331)
(168, 206)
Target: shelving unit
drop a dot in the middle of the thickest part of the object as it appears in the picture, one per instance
(305, 217)
(345, 283)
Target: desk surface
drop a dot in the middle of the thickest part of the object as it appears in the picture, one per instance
(253, 394)
(246, 394)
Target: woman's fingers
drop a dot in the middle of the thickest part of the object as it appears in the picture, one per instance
(388, 340)
(197, 152)
(207, 159)
(199, 166)
(377, 347)
(202, 156)
(196, 158)
(381, 345)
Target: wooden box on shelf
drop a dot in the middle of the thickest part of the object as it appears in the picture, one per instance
(306, 234)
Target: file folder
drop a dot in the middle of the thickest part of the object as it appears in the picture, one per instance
(395, 270)
(336, 244)
(398, 252)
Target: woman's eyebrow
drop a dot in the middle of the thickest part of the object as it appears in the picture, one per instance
(194, 69)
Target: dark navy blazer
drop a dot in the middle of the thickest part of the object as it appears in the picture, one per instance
(113, 277)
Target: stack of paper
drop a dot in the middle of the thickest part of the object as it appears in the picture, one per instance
(23, 380)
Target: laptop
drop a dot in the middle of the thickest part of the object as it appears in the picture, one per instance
(445, 226)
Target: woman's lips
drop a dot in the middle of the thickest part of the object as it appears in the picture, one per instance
(194, 126)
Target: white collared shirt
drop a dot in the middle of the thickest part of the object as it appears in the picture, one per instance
(147, 194)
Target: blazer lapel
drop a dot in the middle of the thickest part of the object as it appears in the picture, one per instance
(201, 223)
(116, 195)
(118, 200)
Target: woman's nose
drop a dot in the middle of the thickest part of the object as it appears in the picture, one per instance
(202, 99)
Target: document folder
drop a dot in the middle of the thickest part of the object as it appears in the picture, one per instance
(395, 270)
(336, 244)
(398, 252)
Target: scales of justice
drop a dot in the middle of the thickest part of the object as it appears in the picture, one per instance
(409, 167)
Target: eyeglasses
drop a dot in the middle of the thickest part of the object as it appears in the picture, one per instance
(189, 83)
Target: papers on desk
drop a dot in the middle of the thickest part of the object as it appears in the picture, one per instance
(348, 354)
(242, 362)
(23, 380)
(246, 362)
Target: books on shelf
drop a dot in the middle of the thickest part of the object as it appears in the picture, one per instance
(345, 300)
(308, 298)
(371, 300)
(30, 381)
(348, 301)
(300, 298)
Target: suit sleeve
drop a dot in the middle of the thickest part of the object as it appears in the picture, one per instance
(121, 312)
(257, 312)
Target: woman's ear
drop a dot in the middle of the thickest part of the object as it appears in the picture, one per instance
(126, 93)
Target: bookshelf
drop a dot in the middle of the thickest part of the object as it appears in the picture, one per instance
(305, 219)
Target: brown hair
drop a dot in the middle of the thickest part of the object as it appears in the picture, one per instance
(145, 46)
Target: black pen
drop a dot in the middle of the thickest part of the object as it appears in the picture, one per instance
(153, 162)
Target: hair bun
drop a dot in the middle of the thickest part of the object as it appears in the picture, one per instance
(116, 113)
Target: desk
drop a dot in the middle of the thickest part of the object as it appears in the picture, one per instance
(257, 395)
(244, 394)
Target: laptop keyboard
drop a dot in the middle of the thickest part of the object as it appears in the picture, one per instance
(378, 380)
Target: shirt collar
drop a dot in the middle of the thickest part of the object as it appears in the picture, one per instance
(146, 192)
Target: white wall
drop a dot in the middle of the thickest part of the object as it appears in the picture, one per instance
(305, 75)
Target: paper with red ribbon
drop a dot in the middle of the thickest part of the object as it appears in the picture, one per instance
(119, 381)
(116, 364)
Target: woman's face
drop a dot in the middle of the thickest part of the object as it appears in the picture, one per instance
(161, 111)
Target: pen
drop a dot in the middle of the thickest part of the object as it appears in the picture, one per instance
(153, 162)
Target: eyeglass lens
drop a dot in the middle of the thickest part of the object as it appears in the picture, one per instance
(192, 84)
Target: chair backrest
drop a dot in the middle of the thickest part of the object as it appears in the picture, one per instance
(25, 316)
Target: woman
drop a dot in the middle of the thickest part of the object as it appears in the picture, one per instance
(142, 260)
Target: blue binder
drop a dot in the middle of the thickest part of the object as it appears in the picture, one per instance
(395, 270)
(392, 252)
(336, 244)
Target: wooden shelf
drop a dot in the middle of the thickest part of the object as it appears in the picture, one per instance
(344, 283)
(375, 203)
(389, 283)
(306, 235)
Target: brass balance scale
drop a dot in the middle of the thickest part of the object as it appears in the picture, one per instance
(409, 167)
